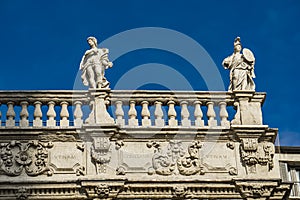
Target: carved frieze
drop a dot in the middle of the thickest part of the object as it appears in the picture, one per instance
(219, 157)
(132, 158)
(175, 159)
(102, 190)
(179, 192)
(256, 190)
(31, 157)
(190, 163)
(67, 158)
(254, 153)
(57, 138)
(101, 153)
(22, 193)
(162, 163)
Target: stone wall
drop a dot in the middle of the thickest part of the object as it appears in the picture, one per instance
(154, 145)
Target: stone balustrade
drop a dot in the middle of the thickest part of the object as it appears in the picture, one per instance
(171, 108)
(42, 108)
(128, 108)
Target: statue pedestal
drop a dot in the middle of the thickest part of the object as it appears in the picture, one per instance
(98, 102)
(248, 105)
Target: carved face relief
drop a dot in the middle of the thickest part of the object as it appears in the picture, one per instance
(22, 193)
(179, 191)
(175, 149)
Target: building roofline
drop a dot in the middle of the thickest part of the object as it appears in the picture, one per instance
(287, 149)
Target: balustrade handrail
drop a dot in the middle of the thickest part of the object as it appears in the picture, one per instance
(64, 99)
(140, 95)
(17, 96)
(177, 96)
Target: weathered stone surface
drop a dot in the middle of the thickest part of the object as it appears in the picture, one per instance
(17, 157)
(134, 158)
(93, 65)
(67, 158)
(219, 157)
(248, 108)
(241, 68)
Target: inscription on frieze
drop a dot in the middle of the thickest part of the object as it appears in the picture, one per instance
(66, 157)
(218, 157)
(131, 160)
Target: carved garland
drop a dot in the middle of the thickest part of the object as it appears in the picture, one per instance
(31, 156)
(166, 163)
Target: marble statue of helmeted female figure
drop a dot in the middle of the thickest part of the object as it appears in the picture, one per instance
(93, 65)
(241, 67)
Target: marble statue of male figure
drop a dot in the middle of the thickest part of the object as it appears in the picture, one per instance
(93, 65)
(241, 68)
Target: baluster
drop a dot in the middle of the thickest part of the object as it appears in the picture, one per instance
(10, 114)
(158, 113)
(198, 114)
(145, 114)
(132, 121)
(119, 113)
(37, 114)
(78, 114)
(51, 114)
(64, 114)
(0, 116)
(24, 114)
(172, 114)
(211, 114)
(224, 115)
(185, 114)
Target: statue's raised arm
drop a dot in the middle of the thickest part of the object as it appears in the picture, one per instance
(93, 65)
(241, 66)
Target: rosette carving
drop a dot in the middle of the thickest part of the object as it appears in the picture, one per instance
(31, 157)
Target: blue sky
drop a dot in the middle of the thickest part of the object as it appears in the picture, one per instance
(42, 43)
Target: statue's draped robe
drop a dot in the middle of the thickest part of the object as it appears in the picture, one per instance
(241, 72)
(92, 62)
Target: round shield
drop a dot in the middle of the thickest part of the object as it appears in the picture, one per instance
(248, 55)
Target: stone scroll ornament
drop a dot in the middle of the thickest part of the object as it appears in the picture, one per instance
(241, 66)
(93, 65)
(190, 163)
(175, 159)
(31, 157)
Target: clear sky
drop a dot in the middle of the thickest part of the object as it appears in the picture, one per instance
(42, 42)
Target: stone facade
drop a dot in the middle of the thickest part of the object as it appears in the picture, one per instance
(106, 144)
